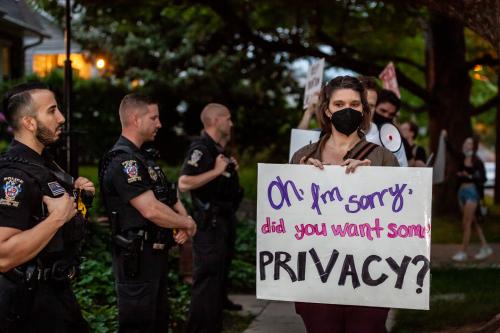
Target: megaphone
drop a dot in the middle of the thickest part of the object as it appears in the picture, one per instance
(390, 137)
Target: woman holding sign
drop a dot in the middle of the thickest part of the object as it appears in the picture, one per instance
(344, 118)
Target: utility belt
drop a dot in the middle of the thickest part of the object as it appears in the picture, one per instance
(17, 287)
(59, 271)
(130, 245)
(206, 214)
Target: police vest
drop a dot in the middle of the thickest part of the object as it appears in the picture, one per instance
(226, 191)
(67, 241)
(164, 191)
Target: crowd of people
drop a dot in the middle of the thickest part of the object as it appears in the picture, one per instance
(43, 210)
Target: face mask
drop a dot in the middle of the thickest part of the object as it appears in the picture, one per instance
(468, 153)
(379, 119)
(347, 120)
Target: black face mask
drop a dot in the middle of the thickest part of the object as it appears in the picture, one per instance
(380, 120)
(347, 120)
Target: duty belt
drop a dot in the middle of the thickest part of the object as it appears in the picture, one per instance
(59, 271)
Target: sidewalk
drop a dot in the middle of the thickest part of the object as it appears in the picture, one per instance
(280, 317)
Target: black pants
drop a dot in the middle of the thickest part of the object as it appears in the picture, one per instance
(53, 309)
(142, 299)
(211, 257)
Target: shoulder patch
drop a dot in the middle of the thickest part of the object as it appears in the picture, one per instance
(152, 174)
(131, 170)
(56, 188)
(195, 157)
(11, 188)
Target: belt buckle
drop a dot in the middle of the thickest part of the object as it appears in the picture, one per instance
(158, 246)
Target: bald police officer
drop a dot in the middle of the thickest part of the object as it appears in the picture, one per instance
(143, 208)
(210, 174)
(40, 229)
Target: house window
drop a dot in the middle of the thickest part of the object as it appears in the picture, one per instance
(43, 64)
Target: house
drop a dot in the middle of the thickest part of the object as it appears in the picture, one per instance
(17, 22)
(51, 53)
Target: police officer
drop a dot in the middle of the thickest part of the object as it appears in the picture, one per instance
(40, 228)
(211, 176)
(143, 208)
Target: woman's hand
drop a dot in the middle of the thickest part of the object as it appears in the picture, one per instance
(351, 164)
(312, 161)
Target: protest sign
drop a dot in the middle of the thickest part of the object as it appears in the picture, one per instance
(359, 239)
(314, 80)
(300, 138)
(389, 79)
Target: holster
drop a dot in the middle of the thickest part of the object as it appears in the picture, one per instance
(130, 249)
(203, 215)
(15, 299)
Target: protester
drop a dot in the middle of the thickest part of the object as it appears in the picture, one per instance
(415, 154)
(471, 176)
(344, 115)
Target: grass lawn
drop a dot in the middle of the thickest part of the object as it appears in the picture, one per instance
(478, 300)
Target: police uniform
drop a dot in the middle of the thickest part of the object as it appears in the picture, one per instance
(36, 296)
(140, 247)
(215, 204)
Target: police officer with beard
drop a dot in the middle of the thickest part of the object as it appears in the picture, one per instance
(41, 230)
(210, 173)
(143, 207)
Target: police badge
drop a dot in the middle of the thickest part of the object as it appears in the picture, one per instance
(152, 174)
(11, 188)
(195, 158)
(131, 170)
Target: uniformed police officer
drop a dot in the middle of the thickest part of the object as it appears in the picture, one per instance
(211, 176)
(143, 209)
(40, 229)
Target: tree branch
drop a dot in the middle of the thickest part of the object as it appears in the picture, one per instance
(492, 102)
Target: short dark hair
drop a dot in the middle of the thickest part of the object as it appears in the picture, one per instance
(134, 101)
(387, 96)
(370, 83)
(342, 82)
(17, 99)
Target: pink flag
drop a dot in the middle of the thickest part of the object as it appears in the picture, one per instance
(388, 77)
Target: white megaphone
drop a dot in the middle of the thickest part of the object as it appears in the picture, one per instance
(390, 137)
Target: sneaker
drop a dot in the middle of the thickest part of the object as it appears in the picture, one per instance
(483, 253)
(459, 256)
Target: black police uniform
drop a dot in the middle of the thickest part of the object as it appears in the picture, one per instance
(215, 204)
(36, 296)
(140, 248)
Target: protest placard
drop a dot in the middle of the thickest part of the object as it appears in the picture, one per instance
(389, 79)
(314, 80)
(359, 239)
(300, 138)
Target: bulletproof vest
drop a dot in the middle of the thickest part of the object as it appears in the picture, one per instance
(128, 216)
(67, 241)
(225, 188)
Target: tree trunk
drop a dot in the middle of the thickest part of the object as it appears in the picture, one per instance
(449, 84)
(497, 139)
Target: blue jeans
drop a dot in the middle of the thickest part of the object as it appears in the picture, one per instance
(468, 192)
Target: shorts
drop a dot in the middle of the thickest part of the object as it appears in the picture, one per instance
(468, 192)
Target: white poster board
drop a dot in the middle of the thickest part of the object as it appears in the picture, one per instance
(300, 138)
(359, 239)
(440, 162)
(314, 80)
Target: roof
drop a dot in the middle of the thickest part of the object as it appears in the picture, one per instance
(19, 14)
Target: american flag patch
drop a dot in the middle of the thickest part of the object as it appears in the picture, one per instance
(56, 188)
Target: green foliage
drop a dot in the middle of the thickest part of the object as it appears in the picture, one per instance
(242, 273)
(480, 303)
(95, 287)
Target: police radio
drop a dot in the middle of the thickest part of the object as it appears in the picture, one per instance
(390, 137)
